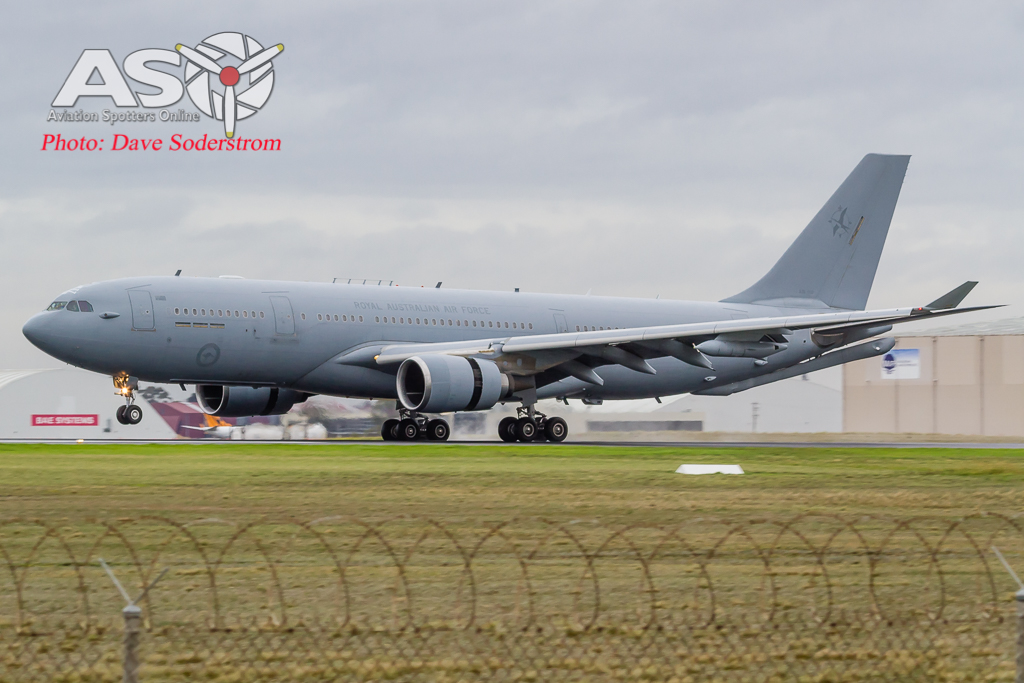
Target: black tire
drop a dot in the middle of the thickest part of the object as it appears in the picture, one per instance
(408, 430)
(526, 429)
(438, 430)
(388, 430)
(133, 414)
(555, 429)
(120, 415)
(506, 429)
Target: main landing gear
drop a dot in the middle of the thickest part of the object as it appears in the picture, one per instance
(129, 413)
(529, 425)
(414, 427)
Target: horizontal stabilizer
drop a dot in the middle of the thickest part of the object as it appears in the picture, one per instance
(952, 299)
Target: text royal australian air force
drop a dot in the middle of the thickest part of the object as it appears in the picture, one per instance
(420, 308)
(227, 77)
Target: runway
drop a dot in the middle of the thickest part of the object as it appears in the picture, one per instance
(688, 445)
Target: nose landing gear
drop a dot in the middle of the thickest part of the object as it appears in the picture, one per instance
(129, 413)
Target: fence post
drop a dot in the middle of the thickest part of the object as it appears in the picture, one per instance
(1020, 636)
(132, 628)
(132, 614)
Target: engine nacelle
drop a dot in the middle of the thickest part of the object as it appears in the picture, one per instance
(222, 401)
(438, 383)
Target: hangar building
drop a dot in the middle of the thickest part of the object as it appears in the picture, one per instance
(967, 380)
(68, 403)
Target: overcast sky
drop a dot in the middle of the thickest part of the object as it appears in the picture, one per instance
(633, 149)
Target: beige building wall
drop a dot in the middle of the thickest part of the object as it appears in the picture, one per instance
(972, 385)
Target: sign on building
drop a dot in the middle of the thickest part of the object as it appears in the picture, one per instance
(902, 364)
(65, 420)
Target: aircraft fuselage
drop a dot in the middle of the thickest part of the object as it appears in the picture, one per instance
(291, 334)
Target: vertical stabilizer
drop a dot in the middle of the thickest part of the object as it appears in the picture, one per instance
(834, 259)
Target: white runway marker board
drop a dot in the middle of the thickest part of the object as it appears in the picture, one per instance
(709, 469)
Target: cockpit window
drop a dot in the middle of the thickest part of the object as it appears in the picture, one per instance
(57, 305)
(85, 307)
(72, 306)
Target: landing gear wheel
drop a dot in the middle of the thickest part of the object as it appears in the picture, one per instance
(388, 430)
(120, 415)
(506, 429)
(408, 430)
(526, 429)
(556, 430)
(133, 414)
(438, 430)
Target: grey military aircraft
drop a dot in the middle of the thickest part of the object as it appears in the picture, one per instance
(255, 347)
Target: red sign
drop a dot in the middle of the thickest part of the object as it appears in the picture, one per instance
(65, 420)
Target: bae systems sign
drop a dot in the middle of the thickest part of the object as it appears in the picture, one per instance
(228, 77)
(65, 420)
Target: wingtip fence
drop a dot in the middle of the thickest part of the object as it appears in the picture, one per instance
(339, 598)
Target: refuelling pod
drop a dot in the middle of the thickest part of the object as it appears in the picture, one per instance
(439, 383)
(741, 349)
(222, 401)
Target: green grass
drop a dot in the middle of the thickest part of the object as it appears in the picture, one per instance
(611, 483)
(568, 502)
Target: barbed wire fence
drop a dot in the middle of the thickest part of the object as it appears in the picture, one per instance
(813, 597)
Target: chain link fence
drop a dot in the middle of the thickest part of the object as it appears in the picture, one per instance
(814, 597)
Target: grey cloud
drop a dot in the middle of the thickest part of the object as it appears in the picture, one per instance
(713, 131)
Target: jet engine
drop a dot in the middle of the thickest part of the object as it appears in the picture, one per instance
(439, 383)
(216, 399)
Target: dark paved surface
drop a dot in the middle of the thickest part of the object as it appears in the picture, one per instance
(616, 444)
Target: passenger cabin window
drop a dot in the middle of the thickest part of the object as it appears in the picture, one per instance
(57, 305)
(72, 306)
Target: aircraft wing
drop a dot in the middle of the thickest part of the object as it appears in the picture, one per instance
(631, 347)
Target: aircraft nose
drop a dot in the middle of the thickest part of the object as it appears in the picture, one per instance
(36, 330)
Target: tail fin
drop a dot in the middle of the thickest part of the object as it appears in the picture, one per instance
(834, 259)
